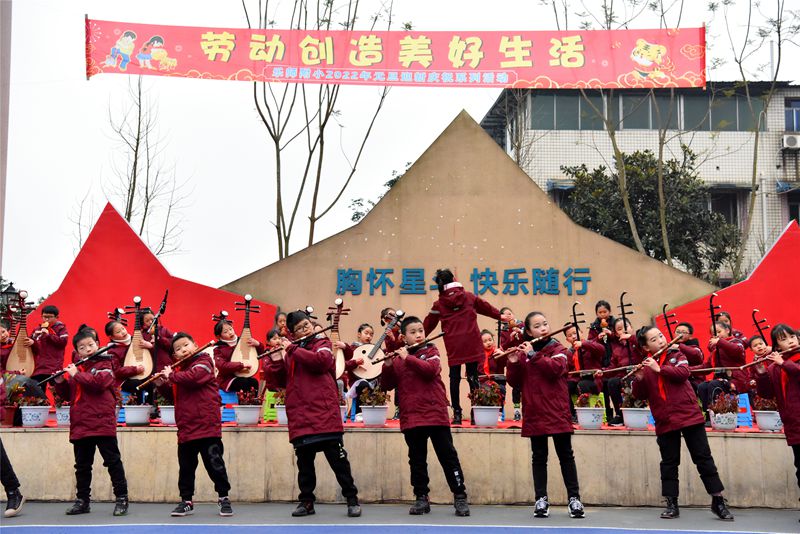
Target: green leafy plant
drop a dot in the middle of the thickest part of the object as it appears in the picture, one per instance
(764, 404)
(161, 400)
(629, 401)
(488, 394)
(14, 395)
(583, 401)
(133, 400)
(374, 397)
(60, 401)
(249, 397)
(34, 401)
(279, 397)
(725, 403)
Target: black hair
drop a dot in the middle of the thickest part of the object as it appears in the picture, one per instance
(181, 335)
(272, 333)
(156, 39)
(130, 34)
(505, 309)
(530, 316)
(84, 332)
(278, 315)
(641, 335)
(726, 314)
(618, 319)
(753, 339)
(411, 319)
(5, 323)
(781, 331)
(219, 326)
(383, 314)
(109, 328)
(688, 326)
(602, 304)
(295, 318)
(485, 331)
(50, 309)
(726, 326)
(570, 325)
(364, 326)
(443, 277)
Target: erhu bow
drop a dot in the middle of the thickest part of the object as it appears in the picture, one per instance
(668, 321)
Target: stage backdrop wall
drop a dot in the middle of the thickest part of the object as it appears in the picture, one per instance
(466, 205)
(114, 265)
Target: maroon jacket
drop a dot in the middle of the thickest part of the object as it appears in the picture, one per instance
(730, 352)
(274, 379)
(623, 353)
(419, 383)
(595, 329)
(509, 337)
(589, 356)
(392, 341)
(545, 397)
(458, 311)
(227, 369)
(312, 396)
(163, 351)
(5, 351)
(672, 400)
(197, 400)
(783, 384)
(122, 372)
(92, 411)
(48, 349)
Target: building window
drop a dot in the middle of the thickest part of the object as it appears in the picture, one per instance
(726, 203)
(724, 114)
(543, 111)
(636, 111)
(567, 112)
(665, 112)
(696, 114)
(589, 118)
(793, 200)
(792, 110)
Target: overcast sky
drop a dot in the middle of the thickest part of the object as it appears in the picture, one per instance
(60, 144)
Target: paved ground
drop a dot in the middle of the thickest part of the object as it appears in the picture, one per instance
(390, 518)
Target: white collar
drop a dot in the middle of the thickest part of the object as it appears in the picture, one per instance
(452, 285)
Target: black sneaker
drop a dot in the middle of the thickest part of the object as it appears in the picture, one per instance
(421, 506)
(672, 510)
(461, 506)
(616, 421)
(225, 508)
(121, 506)
(14, 504)
(183, 509)
(517, 415)
(542, 507)
(457, 417)
(80, 507)
(575, 507)
(353, 509)
(720, 508)
(303, 509)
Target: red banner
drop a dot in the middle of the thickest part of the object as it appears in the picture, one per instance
(530, 59)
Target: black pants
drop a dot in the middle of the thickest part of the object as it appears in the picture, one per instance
(516, 395)
(112, 460)
(697, 443)
(210, 450)
(709, 391)
(615, 394)
(334, 452)
(9, 478)
(243, 383)
(455, 382)
(442, 440)
(795, 450)
(563, 445)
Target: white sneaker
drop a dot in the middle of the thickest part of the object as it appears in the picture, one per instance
(575, 507)
(359, 418)
(541, 508)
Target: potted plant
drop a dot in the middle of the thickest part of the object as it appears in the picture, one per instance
(280, 406)
(248, 410)
(136, 414)
(14, 394)
(723, 412)
(635, 412)
(766, 412)
(35, 411)
(62, 410)
(166, 409)
(589, 417)
(486, 402)
(374, 406)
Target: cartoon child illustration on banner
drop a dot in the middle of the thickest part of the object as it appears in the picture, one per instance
(651, 61)
(123, 49)
(146, 51)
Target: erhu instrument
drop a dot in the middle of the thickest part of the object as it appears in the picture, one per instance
(138, 355)
(334, 314)
(394, 354)
(100, 352)
(372, 351)
(244, 353)
(177, 363)
(117, 315)
(668, 319)
(20, 359)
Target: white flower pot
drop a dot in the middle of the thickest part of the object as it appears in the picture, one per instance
(62, 416)
(768, 420)
(167, 415)
(374, 415)
(280, 409)
(34, 416)
(590, 418)
(137, 415)
(247, 415)
(486, 415)
(723, 421)
(636, 418)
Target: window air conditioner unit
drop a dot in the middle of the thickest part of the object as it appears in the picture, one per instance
(791, 141)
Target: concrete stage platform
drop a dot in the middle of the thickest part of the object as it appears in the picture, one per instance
(49, 518)
(615, 467)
